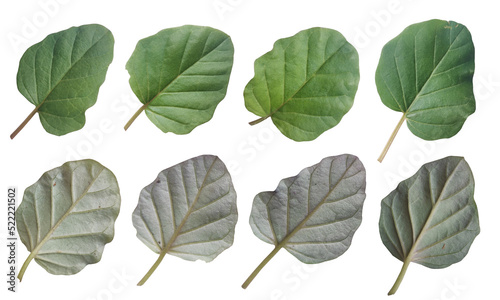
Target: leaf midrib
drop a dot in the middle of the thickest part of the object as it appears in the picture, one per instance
(176, 233)
(304, 221)
(68, 70)
(162, 91)
(69, 211)
(305, 83)
(413, 249)
(432, 74)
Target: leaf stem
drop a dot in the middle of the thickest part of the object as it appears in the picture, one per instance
(400, 277)
(391, 139)
(258, 120)
(259, 268)
(25, 266)
(153, 268)
(137, 113)
(13, 135)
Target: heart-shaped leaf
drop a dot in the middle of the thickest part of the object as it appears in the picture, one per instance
(306, 83)
(188, 211)
(312, 215)
(180, 75)
(68, 215)
(426, 73)
(62, 74)
(431, 218)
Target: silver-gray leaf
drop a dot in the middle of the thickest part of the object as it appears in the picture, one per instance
(188, 211)
(431, 218)
(313, 215)
(68, 215)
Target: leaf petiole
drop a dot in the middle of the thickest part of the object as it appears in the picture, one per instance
(255, 122)
(400, 277)
(25, 266)
(260, 266)
(391, 139)
(137, 113)
(30, 116)
(153, 268)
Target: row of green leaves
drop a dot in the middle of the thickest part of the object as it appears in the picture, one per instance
(305, 84)
(189, 211)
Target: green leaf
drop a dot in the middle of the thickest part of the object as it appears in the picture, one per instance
(306, 83)
(431, 218)
(312, 215)
(426, 73)
(62, 74)
(68, 215)
(188, 211)
(180, 75)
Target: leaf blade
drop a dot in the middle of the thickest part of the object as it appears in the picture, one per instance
(302, 215)
(62, 75)
(426, 72)
(192, 214)
(181, 75)
(434, 215)
(306, 83)
(55, 203)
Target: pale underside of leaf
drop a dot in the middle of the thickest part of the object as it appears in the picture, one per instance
(189, 211)
(62, 74)
(431, 218)
(180, 75)
(426, 73)
(313, 215)
(306, 83)
(68, 216)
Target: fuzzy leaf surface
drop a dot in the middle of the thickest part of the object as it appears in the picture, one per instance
(313, 215)
(189, 211)
(431, 218)
(68, 215)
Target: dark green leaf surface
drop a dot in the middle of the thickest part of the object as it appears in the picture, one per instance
(313, 215)
(62, 74)
(431, 218)
(188, 211)
(68, 215)
(426, 73)
(180, 75)
(306, 83)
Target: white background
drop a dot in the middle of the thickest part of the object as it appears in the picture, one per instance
(258, 157)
